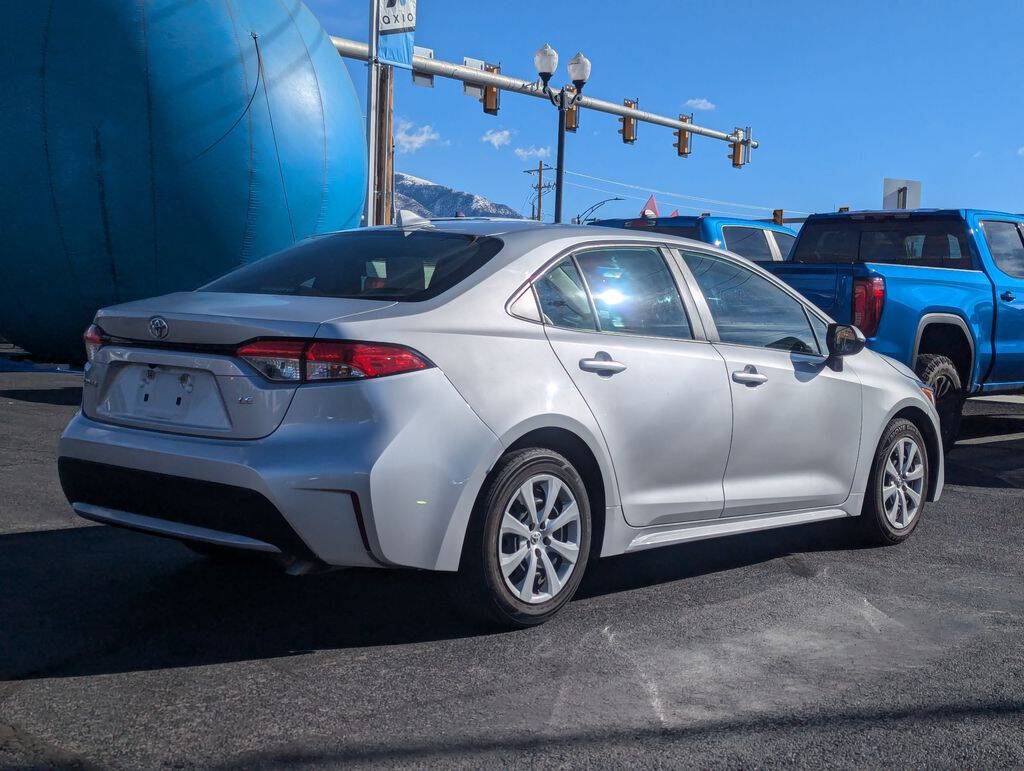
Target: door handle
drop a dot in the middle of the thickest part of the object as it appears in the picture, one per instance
(749, 376)
(602, 364)
(1008, 296)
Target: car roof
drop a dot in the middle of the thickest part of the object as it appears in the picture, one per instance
(543, 231)
(909, 213)
(689, 220)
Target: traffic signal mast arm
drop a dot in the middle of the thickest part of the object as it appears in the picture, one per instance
(353, 49)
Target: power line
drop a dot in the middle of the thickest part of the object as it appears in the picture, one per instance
(643, 198)
(671, 194)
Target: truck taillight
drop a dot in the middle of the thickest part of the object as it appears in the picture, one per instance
(868, 301)
(93, 339)
(322, 360)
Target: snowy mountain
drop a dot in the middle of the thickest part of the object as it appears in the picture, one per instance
(429, 199)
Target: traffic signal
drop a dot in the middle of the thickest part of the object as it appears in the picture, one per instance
(682, 143)
(777, 217)
(736, 150)
(491, 96)
(572, 115)
(628, 129)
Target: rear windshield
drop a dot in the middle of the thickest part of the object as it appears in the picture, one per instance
(939, 242)
(381, 265)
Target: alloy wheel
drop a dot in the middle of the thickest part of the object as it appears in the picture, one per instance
(539, 539)
(903, 482)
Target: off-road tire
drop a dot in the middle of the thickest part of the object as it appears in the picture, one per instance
(940, 374)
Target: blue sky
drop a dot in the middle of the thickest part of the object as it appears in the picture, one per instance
(840, 95)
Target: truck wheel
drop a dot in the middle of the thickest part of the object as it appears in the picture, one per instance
(528, 541)
(940, 374)
(898, 486)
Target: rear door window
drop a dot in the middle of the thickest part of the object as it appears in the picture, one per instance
(399, 265)
(748, 309)
(939, 242)
(1004, 242)
(747, 242)
(634, 292)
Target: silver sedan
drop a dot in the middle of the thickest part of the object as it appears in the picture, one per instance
(498, 398)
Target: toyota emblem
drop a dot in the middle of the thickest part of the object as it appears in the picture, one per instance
(158, 327)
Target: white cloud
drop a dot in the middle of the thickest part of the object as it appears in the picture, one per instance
(700, 104)
(497, 138)
(409, 139)
(981, 153)
(1020, 151)
(525, 153)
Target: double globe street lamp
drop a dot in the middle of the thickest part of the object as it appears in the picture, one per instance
(546, 62)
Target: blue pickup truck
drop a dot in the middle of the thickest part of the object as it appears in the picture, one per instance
(757, 241)
(940, 290)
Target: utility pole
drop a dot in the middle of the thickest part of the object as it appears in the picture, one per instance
(540, 187)
(384, 173)
(372, 73)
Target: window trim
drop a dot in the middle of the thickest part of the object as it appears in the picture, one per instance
(690, 306)
(1018, 226)
(705, 309)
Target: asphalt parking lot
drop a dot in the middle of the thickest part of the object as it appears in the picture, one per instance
(782, 648)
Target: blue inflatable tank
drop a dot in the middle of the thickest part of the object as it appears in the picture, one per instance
(150, 146)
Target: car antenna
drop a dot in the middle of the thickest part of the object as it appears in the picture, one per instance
(409, 219)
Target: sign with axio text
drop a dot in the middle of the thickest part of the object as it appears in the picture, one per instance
(396, 25)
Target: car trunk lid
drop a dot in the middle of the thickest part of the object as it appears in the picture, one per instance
(169, 363)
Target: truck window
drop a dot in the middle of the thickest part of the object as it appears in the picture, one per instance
(680, 231)
(939, 242)
(785, 243)
(747, 242)
(1007, 249)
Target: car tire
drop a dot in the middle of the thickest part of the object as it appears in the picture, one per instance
(940, 374)
(500, 594)
(893, 484)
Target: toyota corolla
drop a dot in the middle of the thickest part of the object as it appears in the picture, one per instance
(501, 399)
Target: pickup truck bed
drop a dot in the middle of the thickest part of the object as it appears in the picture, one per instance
(940, 290)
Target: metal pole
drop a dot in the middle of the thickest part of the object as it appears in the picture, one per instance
(372, 71)
(356, 50)
(540, 191)
(560, 170)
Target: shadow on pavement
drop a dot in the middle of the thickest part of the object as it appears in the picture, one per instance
(69, 396)
(538, 745)
(990, 449)
(94, 600)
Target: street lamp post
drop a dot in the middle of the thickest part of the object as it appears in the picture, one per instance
(546, 61)
(581, 218)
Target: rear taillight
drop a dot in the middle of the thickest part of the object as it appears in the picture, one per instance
(868, 301)
(323, 360)
(93, 339)
(277, 360)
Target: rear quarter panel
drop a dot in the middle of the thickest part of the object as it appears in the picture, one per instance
(911, 293)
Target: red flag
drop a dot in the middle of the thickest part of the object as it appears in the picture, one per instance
(675, 213)
(651, 206)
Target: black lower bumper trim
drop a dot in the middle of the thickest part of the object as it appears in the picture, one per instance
(216, 506)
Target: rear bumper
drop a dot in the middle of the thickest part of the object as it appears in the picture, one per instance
(358, 474)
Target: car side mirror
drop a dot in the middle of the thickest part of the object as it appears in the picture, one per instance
(844, 340)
